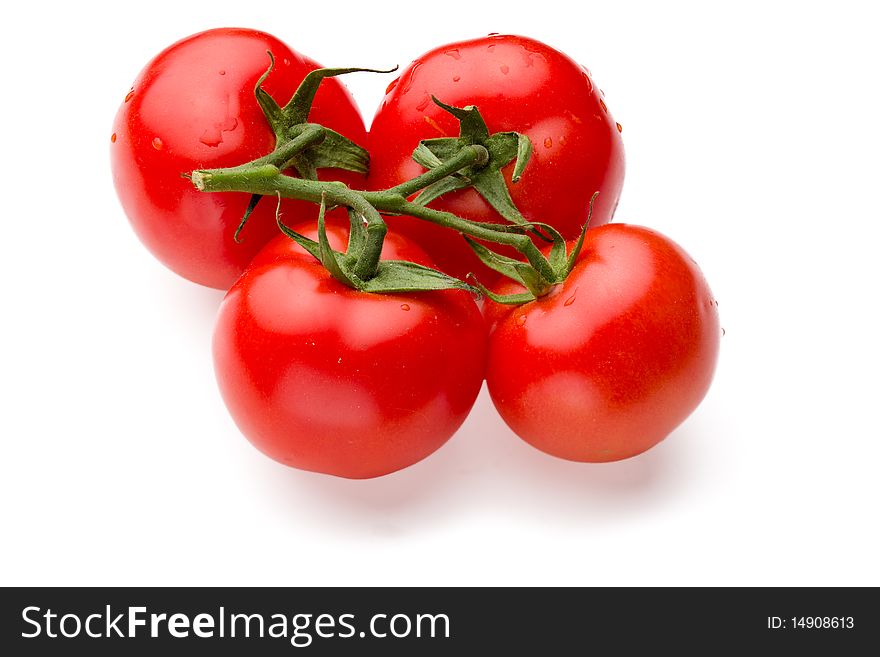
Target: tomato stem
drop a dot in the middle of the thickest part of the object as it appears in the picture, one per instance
(512, 235)
(264, 176)
(469, 156)
(310, 135)
(268, 179)
(368, 259)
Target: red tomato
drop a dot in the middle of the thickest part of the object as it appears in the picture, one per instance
(517, 84)
(325, 378)
(193, 107)
(613, 359)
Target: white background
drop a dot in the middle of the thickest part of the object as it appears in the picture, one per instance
(752, 137)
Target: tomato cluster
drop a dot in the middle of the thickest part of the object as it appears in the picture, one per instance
(333, 359)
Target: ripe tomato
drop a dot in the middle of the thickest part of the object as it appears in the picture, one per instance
(193, 107)
(326, 378)
(518, 84)
(613, 359)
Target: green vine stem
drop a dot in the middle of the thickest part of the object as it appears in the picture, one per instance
(263, 177)
(475, 155)
(308, 135)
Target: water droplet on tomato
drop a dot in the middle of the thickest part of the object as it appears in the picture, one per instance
(404, 306)
(411, 77)
(505, 69)
(423, 103)
(221, 72)
(570, 300)
(391, 85)
(603, 105)
(454, 53)
(492, 34)
(548, 143)
(587, 78)
(456, 78)
(157, 144)
(129, 95)
(286, 62)
(521, 320)
(530, 54)
(211, 137)
(619, 128)
(491, 47)
(113, 138)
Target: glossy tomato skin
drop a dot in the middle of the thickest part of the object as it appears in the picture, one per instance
(193, 107)
(518, 84)
(328, 379)
(615, 358)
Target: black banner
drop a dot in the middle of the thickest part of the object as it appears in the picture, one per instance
(435, 621)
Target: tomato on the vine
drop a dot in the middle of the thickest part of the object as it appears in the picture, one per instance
(518, 84)
(322, 377)
(193, 107)
(613, 359)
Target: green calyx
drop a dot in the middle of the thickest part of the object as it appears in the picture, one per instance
(487, 179)
(379, 276)
(288, 122)
(539, 275)
(300, 145)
